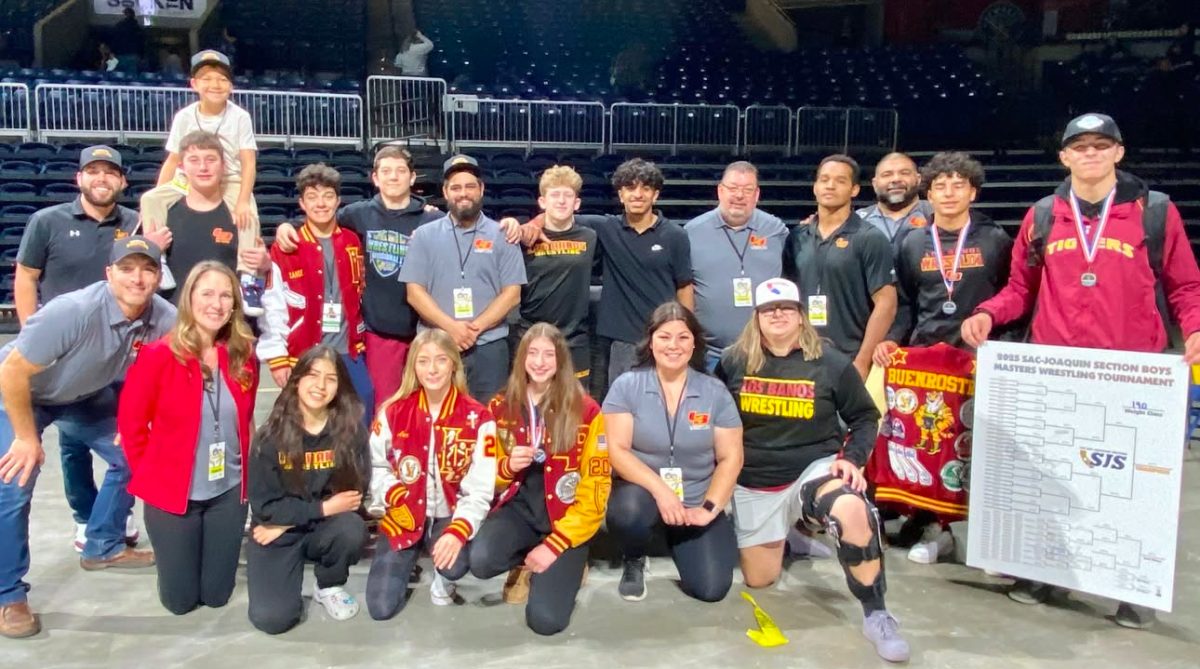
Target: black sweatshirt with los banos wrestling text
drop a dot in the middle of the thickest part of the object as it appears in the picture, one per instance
(273, 502)
(790, 410)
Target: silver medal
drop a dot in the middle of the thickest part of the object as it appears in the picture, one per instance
(1088, 279)
(949, 308)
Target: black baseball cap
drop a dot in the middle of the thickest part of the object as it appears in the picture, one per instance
(100, 152)
(135, 245)
(1098, 124)
(461, 163)
(214, 58)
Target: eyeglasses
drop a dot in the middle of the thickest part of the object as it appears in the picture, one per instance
(747, 191)
(785, 307)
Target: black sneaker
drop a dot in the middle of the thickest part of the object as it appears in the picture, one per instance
(252, 290)
(1134, 617)
(633, 580)
(1026, 591)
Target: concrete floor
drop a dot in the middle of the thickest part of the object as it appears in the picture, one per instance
(953, 617)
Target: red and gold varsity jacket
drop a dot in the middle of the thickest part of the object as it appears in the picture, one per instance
(577, 482)
(463, 436)
(295, 296)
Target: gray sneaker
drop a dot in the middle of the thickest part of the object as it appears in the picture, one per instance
(882, 629)
(633, 580)
(1135, 617)
(1026, 591)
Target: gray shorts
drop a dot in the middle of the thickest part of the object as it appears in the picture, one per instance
(762, 517)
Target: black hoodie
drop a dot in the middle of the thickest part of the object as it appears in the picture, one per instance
(385, 234)
(984, 265)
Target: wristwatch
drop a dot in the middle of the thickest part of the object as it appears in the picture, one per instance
(708, 506)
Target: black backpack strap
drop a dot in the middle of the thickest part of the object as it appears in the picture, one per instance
(1154, 222)
(1043, 219)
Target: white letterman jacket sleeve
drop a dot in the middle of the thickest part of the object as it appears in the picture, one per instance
(272, 345)
(478, 486)
(383, 477)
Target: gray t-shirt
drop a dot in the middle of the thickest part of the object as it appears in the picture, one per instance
(443, 257)
(893, 226)
(217, 407)
(84, 342)
(340, 340)
(706, 404)
(721, 255)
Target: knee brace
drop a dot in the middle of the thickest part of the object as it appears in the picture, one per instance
(818, 510)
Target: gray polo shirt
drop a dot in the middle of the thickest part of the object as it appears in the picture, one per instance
(69, 247)
(706, 404)
(217, 408)
(892, 226)
(722, 254)
(84, 342)
(444, 257)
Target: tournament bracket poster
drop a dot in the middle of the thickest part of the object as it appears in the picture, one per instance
(922, 456)
(1077, 466)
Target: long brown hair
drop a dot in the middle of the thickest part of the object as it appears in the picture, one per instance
(284, 429)
(750, 345)
(185, 340)
(562, 405)
(408, 381)
(665, 313)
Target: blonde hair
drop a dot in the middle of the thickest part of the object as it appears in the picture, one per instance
(751, 347)
(560, 176)
(184, 338)
(563, 402)
(409, 383)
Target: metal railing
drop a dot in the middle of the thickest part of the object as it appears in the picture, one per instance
(871, 129)
(484, 122)
(845, 129)
(14, 111)
(409, 109)
(647, 125)
(767, 128)
(145, 112)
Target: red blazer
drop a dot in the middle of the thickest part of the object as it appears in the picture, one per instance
(158, 422)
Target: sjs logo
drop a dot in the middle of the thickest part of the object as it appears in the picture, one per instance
(1102, 459)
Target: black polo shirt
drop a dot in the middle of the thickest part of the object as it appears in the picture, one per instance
(848, 267)
(640, 272)
(197, 236)
(70, 247)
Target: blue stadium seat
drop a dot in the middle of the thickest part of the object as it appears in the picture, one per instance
(60, 192)
(18, 191)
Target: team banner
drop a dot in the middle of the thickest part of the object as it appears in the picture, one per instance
(923, 451)
(176, 9)
(1077, 468)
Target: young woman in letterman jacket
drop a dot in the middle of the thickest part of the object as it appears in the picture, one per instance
(433, 475)
(555, 479)
(184, 423)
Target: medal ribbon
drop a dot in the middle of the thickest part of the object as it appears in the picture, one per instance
(1091, 248)
(958, 251)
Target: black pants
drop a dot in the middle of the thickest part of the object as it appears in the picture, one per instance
(486, 366)
(502, 544)
(275, 572)
(387, 582)
(704, 556)
(196, 553)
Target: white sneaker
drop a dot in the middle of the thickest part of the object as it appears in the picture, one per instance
(339, 604)
(132, 534)
(937, 543)
(442, 592)
(80, 537)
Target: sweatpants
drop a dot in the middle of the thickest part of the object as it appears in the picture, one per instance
(705, 556)
(388, 580)
(275, 572)
(503, 542)
(155, 202)
(196, 553)
(386, 356)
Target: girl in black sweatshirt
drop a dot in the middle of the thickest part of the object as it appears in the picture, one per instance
(308, 471)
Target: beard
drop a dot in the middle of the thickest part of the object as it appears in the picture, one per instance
(108, 202)
(467, 210)
(897, 200)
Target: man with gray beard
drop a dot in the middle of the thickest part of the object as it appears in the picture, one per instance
(897, 193)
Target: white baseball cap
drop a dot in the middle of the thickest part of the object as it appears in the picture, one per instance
(776, 290)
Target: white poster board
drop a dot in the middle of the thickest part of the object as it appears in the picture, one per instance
(1076, 468)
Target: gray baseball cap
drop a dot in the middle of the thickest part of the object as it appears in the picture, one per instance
(1099, 124)
(100, 152)
(135, 245)
(214, 58)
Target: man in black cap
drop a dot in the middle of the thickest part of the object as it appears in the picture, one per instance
(64, 248)
(61, 370)
(464, 277)
(1092, 263)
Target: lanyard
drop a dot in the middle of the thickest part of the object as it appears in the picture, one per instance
(949, 279)
(220, 122)
(213, 397)
(462, 260)
(741, 255)
(537, 427)
(671, 421)
(819, 250)
(1091, 248)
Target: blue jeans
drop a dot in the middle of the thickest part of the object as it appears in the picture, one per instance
(92, 421)
(361, 381)
(79, 483)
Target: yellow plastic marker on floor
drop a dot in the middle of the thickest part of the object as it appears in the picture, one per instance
(768, 634)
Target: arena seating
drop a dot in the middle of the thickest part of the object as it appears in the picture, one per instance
(16, 26)
(312, 35)
(275, 80)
